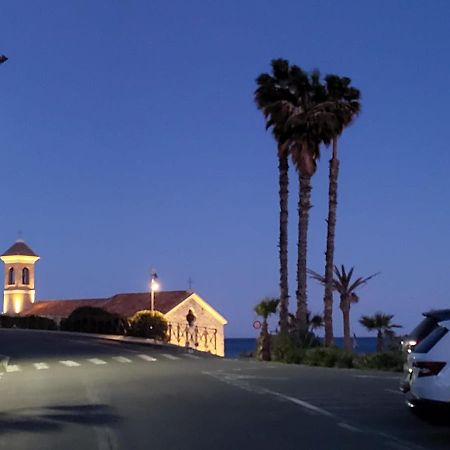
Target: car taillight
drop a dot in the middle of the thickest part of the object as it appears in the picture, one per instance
(428, 368)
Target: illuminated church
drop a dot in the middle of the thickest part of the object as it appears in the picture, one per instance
(205, 332)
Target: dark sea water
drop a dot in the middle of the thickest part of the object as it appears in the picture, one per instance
(234, 347)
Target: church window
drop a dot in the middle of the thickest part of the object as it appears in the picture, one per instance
(25, 276)
(11, 276)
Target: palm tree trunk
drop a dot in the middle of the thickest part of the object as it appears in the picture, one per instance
(329, 254)
(264, 352)
(380, 341)
(283, 167)
(345, 308)
(304, 205)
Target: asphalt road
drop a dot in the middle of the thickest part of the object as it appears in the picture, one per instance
(68, 392)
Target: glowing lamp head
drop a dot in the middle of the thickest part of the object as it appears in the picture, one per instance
(154, 285)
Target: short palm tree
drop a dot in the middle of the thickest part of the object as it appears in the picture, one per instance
(264, 309)
(271, 90)
(346, 287)
(382, 324)
(315, 322)
(338, 111)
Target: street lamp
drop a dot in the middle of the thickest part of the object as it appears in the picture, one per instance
(154, 286)
(3, 59)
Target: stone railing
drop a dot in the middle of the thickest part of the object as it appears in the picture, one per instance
(197, 337)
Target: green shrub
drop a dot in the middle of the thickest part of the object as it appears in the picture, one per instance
(29, 322)
(149, 324)
(381, 361)
(90, 319)
(285, 349)
(321, 356)
(345, 359)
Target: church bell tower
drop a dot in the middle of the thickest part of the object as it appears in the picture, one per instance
(19, 293)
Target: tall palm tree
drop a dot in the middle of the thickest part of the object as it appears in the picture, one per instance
(340, 108)
(382, 323)
(346, 287)
(271, 90)
(264, 309)
(306, 132)
(297, 107)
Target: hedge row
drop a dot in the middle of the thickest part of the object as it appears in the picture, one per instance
(30, 322)
(88, 319)
(284, 350)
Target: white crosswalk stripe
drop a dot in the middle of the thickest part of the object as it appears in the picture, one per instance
(171, 357)
(40, 366)
(147, 358)
(69, 363)
(121, 359)
(97, 362)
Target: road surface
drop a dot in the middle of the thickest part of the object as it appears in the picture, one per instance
(68, 392)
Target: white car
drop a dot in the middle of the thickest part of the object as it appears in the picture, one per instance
(428, 373)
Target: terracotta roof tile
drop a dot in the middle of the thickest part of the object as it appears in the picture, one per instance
(123, 304)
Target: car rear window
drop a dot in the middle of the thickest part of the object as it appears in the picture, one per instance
(423, 329)
(431, 340)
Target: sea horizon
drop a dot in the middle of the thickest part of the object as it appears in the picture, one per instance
(236, 347)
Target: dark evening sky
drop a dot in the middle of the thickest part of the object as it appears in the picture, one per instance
(130, 139)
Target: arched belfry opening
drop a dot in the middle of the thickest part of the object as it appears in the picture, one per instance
(25, 276)
(11, 276)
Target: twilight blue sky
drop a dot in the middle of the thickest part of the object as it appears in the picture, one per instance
(129, 138)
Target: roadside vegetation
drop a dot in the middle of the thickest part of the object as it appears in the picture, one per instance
(30, 322)
(306, 113)
(149, 324)
(90, 319)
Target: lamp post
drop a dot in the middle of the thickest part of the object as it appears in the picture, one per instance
(154, 286)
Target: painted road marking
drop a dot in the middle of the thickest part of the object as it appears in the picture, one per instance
(13, 368)
(40, 366)
(121, 359)
(376, 377)
(237, 380)
(349, 427)
(146, 358)
(69, 363)
(171, 357)
(393, 391)
(302, 403)
(97, 361)
(188, 355)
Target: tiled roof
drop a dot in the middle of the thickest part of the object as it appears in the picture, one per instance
(61, 308)
(19, 248)
(123, 304)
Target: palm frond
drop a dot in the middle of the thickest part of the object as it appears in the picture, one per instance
(316, 276)
(267, 307)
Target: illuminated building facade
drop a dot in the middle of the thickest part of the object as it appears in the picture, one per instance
(19, 293)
